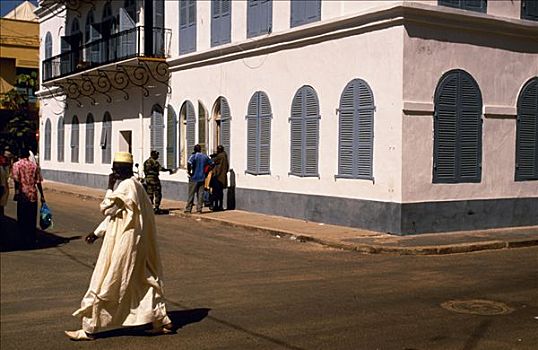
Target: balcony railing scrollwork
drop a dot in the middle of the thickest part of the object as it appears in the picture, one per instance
(136, 42)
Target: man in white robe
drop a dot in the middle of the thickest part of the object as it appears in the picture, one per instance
(126, 288)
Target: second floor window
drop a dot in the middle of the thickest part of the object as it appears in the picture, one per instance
(221, 22)
(529, 9)
(305, 11)
(187, 26)
(472, 5)
(259, 17)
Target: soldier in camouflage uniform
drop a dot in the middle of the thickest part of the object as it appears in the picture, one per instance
(152, 167)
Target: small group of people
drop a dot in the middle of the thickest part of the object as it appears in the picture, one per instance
(27, 179)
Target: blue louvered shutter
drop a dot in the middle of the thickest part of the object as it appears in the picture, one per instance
(48, 139)
(127, 40)
(304, 11)
(65, 58)
(296, 137)
(158, 28)
(364, 129)
(264, 118)
(527, 133)
(187, 26)
(225, 125)
(311, 132)
(171, 138)
(220, 22)
(157, 130)
(74, 140)
(259, 17)
(457, 129)
(90, 136)
(191, 127)
(252, 134)
(472, 5)
(61, 137)
(529, 9)
(47, 66)
(346, 126)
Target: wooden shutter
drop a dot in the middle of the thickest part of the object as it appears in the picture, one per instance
(187, 26)
(252, 134)
(171, 138)
(158, 28)
(220, 22)
(264, 118)
(127, 38)
(259, 17)
(90, 136)
(364, 129)
(157, 130)
(527, 132)
(529, 9)
(304, 11)
(48, 139)
(191, 128)
(311, 132)
(225, 121)
(106, 140)
(61, 139)
(296, 137)
(74, 140)
(457, 129)
(346, 129)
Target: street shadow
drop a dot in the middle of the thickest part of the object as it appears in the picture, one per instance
(179, 319)
(11, 240)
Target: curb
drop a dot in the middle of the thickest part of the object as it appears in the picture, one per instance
(360, 248)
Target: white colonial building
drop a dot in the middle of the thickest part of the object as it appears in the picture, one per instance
(397, 116)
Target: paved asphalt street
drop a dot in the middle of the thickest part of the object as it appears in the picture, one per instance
(231, 288)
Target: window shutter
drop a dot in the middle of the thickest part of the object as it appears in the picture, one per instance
(191, 127)
(264, 119)
(47, 139)
(305, 11)
(259, 17)
(158, 29)
(225, 21)
(252, 20)
(252, 134)
(127, 40)
(529, 9)
(187, 26)
(171, 138)
(527, 133)
(312, 11)
(74, 140)
(445, 132)
(470, 131)
(297, 12)
(296, 129)
(365, 130)
(90, 135)
(157, 130)
(225, 121)
(265, 17)
(311, 132)
(106, 140)
(215, 22)
(346, 126)
(61, 139)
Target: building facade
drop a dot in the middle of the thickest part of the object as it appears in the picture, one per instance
(397, 116)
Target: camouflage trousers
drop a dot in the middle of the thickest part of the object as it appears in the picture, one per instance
(153, 188)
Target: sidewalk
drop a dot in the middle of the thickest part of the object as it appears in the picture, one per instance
(343, 237)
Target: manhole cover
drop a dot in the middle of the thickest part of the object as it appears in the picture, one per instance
(477, 307)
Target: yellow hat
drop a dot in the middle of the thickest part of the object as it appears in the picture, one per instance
(123, 157)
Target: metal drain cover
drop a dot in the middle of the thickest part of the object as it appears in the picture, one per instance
(477, 307)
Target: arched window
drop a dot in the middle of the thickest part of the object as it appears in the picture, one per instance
(74, 140)
(202, 127)
(457, 127)
(223, 119)
(157, 130)
(61, 137)
(259, 118)
(171, 138)
(47, 65)
(90, 138)
(106, 139)
(304, 11)
(304, 129)
(259, 17)
(47, 139)
(221, 22)
(187, 132)
(527, 132)
(356, 131)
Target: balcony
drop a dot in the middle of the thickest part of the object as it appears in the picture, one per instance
(132, 43)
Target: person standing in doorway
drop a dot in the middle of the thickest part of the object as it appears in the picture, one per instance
(152, 168)
(195, 168)
(126, 287)
(27, 178)
(219, 181)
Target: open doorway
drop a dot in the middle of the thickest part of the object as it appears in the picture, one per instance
(125, 144)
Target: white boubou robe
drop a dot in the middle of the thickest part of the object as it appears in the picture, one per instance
(126, 288)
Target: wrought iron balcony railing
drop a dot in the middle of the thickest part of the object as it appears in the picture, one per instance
(136, 42)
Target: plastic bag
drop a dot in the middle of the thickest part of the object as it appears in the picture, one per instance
(45, 217)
